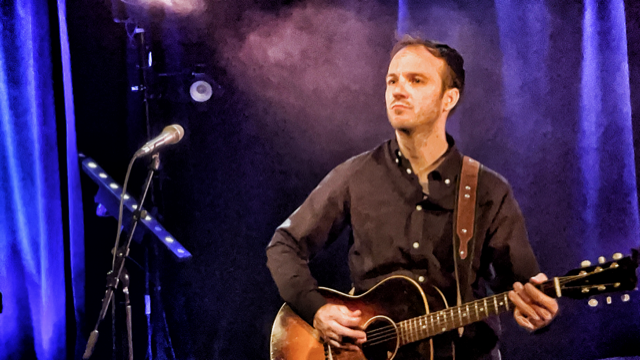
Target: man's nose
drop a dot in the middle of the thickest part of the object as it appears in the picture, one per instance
(399, 90)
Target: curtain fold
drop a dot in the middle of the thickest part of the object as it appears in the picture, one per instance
(32, 241)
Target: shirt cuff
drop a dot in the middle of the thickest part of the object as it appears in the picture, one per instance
(309, 306)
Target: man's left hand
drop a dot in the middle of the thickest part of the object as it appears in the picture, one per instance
(534, 309)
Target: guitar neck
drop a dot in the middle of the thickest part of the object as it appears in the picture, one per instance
(439, 322)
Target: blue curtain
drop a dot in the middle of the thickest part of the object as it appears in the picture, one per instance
(40, 213)
(547, 104)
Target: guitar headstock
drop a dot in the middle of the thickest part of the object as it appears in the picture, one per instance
(618, 274)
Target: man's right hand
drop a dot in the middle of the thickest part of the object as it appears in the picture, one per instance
(337, 322)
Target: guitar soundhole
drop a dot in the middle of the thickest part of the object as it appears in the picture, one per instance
(382, 339)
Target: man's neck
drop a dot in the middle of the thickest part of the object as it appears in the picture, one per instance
(423, 149)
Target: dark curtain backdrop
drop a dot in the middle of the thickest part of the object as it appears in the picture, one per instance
(547, 104)
(41, 230)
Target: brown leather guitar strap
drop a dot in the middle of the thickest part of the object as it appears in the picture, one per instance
(466, 209)
(465, 214)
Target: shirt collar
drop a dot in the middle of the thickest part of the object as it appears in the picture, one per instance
(442, 181)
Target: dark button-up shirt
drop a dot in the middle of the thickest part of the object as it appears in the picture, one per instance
(396, 228)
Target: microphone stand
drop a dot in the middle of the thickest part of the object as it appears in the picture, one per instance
(119, 272)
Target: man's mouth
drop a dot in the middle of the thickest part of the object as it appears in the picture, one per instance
(399, 105)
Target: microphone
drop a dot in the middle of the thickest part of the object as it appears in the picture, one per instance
(169, 136)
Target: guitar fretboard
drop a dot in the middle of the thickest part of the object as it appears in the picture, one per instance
(442, 321)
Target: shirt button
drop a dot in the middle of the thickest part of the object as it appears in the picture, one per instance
(416, 245)
(408, 171)
(447, 181)
(421, 278)
(419, 207)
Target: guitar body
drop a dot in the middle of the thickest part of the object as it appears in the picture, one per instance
(395, 299)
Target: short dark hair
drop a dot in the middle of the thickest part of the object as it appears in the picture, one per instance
(454, 76)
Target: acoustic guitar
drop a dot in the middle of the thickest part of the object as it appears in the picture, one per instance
(396, 312)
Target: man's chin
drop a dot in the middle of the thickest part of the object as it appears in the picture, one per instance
(401, 124)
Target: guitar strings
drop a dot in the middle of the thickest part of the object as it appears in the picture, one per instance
(386, 333)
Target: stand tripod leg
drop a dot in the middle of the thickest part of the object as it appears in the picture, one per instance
(124, 278)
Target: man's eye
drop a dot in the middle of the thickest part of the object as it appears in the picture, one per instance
(417, 81)
(391, 82)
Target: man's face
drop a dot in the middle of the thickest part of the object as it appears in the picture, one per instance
(414, 93)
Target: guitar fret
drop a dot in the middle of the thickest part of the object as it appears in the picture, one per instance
(495, 301)
(433, 324)
(475, 304)
(468, 314)
(506, 300)
(408, 331)
(413, 330)
(459, 315)
(413, 325)
(411, 333)
(444, 320)
(486, 308)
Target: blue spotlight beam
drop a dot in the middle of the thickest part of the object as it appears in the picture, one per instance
(110, 203)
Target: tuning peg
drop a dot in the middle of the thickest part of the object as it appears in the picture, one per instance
(585, 263)
(593, 302)
(617, 256)
(626, 297)
(602, 260)
(609, 300)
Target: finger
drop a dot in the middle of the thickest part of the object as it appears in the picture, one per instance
(522, 321)
(524, 308)
(334, 343)
(345, 310)
(539, 279)
(543, 313)
(348, 332)
(524, 296)
(352, 347)
(348, 321)
(537, 324)
(519, 289)
(539, 298)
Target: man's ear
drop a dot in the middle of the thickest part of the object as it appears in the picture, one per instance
(450, 98)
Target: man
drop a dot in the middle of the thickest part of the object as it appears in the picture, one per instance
(398, 202)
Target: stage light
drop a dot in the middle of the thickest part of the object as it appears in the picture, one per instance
(200, 91)
(203, 87)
